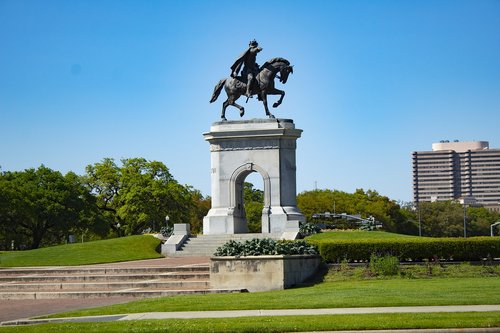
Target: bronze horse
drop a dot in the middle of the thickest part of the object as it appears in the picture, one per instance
(235, 87)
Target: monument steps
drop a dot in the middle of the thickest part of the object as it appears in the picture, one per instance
(89, 277)
(206, 245)
(94, 282)
(117, 293)
(154, 284)
(97, 270)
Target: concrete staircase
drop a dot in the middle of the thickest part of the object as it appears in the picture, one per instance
(205, 245)
(93, 282)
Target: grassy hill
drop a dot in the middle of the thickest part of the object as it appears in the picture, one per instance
(97, 252)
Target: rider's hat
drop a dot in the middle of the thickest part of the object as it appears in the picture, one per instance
(253, 43)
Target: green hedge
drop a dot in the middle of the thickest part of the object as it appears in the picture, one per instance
(411, 249)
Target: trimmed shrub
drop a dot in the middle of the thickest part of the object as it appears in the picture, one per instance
(411, 249)
(384, 266)
(265, 246)
(308, 229)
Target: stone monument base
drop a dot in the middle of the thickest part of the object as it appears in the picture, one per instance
(262, 273)
(238, 148)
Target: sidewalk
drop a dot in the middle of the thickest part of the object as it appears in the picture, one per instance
(261, 313)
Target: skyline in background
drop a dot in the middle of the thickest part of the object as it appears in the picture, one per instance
(373, 81)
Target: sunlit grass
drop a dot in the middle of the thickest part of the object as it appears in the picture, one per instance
(280, 323)
(353, 293)
(103, 251)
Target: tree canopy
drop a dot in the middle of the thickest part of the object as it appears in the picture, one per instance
(254, 203)
(365, 204)
(446, 219)
(43, 206)
(139, 194)
(436, 219)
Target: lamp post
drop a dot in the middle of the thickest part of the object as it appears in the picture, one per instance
(492, 226)
(118, 225)
(167, 219)
(465, 220)
(419, 220)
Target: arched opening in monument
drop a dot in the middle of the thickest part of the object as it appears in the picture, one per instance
(253, 201)
(251, 196)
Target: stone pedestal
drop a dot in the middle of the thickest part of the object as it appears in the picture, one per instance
(262, 273)
(238, 148)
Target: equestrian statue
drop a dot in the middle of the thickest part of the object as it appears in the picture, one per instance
(254, 80)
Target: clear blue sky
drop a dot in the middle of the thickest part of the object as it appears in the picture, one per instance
(373, 81)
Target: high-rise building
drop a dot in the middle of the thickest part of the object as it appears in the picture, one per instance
(458, 171)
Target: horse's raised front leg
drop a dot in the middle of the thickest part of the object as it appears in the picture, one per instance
(263, 96)
(233, 103)
(242, 109)
(275, 91)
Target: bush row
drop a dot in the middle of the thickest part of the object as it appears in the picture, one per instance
(411, 249)
(266, 246)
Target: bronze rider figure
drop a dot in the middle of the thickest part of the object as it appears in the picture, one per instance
(250, 66)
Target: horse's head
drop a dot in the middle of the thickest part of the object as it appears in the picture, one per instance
(284, 72)
(276, 67)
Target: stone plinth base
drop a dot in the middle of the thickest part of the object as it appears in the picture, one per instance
(262, 273)
(238, 148)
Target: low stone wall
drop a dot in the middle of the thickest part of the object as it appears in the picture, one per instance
(181, 233)
(261, 273)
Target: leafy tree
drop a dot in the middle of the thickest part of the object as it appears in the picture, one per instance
(139, 194)
(442, 219)
(201, 207)
(42, 206)
(254, 203)
(369, 203)
(446, 219)
(479, 221)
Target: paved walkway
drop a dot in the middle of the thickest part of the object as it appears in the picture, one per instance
(261, 313)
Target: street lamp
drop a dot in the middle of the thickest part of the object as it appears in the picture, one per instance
(167, 218)
(492, 226)
(118, 225)
(465, 220)
(419, 220)
(467, 201)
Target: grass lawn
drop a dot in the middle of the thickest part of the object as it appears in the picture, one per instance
(467, 288)
(360, 293)
(104, 251)
(279, 324)
(356, 235)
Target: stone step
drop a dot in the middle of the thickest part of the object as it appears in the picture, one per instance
(154, 284)
(114, 293)
(206, 245)
(103, 281)
(100, 271)
(102, 278)
(237, 236)
(182, 253)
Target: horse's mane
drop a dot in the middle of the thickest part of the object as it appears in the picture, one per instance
(273, 60)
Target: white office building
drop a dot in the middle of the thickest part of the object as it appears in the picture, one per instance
(465, 171)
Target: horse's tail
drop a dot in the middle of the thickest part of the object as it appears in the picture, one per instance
(217, 90)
